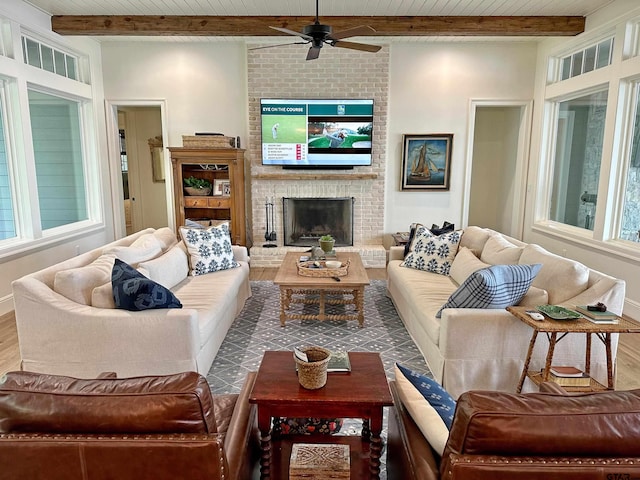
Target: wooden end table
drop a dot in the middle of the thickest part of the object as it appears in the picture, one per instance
(361, 393)
(556, 330)
(292, 284)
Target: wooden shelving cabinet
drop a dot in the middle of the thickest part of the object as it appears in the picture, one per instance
(212, 164)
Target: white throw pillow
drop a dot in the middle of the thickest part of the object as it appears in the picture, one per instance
(432, 253)
(465, 264)
(77, 283)
(499, 251)
(209, 249)
(168, 269)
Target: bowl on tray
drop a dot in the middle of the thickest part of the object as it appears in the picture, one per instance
(333, 264)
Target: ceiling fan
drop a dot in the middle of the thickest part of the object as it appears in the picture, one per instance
(318, 34)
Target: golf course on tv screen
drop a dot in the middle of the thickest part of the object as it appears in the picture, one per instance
(316, 132)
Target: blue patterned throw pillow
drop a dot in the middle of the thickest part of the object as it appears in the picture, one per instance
(497, 286)
(135, 292)
(428, 403)
(209, 249)
(432, 253)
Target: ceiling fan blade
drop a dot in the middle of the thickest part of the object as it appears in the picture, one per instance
(357, 46)
(278, 45)
(353, 32)
(313, 53)
(292, 32)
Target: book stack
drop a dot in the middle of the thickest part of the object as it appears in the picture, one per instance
(569, 377)
(595, 316)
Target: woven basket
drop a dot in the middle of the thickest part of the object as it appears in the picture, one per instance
(306, 270)
(313, 374)
(208, 141)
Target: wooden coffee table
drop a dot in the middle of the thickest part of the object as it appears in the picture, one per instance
(294, 288)
(361, 393)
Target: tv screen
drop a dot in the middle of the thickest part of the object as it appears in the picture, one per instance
(316, 133)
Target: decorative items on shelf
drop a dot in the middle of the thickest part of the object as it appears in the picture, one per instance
(197, 186)
(270, 232)
(221, 186)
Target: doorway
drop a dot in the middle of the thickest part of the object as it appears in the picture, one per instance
(496, 179)
(141, 188)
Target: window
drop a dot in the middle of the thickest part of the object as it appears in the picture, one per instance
(7, 224)
(578, 155)
(60, 176)
(48, 58)
(586, 60)
(630, 224)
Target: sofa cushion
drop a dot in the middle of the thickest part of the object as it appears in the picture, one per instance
(498, 286)
(561, 277)
(432, 253)
(500, 251)
(465, 264)
(209, 249)
(168, 269)
(535, 296)
(33, 402)
(102, 296)
(474, 238)
(77, 284)
(145, 247)
(430, 406)
(133, 291)
(166, 237)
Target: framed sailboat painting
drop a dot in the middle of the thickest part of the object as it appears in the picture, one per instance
(426, 161)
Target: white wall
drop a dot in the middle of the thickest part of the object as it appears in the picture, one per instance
(431, 85)
(204, 84)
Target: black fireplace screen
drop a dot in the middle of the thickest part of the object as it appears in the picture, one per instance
(307, 219)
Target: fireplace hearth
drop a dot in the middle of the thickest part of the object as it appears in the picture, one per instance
(305, 220)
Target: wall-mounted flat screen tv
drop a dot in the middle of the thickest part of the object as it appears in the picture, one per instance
(316, 133)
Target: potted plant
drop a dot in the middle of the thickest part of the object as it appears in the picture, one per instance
(197, 186)
(326, 243)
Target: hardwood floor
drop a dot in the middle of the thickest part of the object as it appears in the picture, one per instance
(628, 360)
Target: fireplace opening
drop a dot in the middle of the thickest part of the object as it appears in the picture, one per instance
(307, 219)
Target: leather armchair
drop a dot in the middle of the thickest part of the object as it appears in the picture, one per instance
(503, 436)
(163, 427)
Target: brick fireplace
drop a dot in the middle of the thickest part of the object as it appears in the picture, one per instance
(305, 220)
(282, 72)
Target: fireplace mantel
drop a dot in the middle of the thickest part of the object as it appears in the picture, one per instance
(315, 176)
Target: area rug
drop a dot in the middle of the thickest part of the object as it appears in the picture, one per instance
(257, 329)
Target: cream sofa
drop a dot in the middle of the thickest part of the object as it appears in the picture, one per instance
(475, 349)
(74, 337)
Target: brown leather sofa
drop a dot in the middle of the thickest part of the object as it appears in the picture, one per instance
(163, 427)
(541, 436)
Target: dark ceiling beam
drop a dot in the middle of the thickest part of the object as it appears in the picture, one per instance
(259, 25)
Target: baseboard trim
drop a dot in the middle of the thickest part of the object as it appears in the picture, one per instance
(6, 304)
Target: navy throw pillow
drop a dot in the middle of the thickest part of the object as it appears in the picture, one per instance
(135, 292)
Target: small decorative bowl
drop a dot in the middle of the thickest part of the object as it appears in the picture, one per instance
(333, 264)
